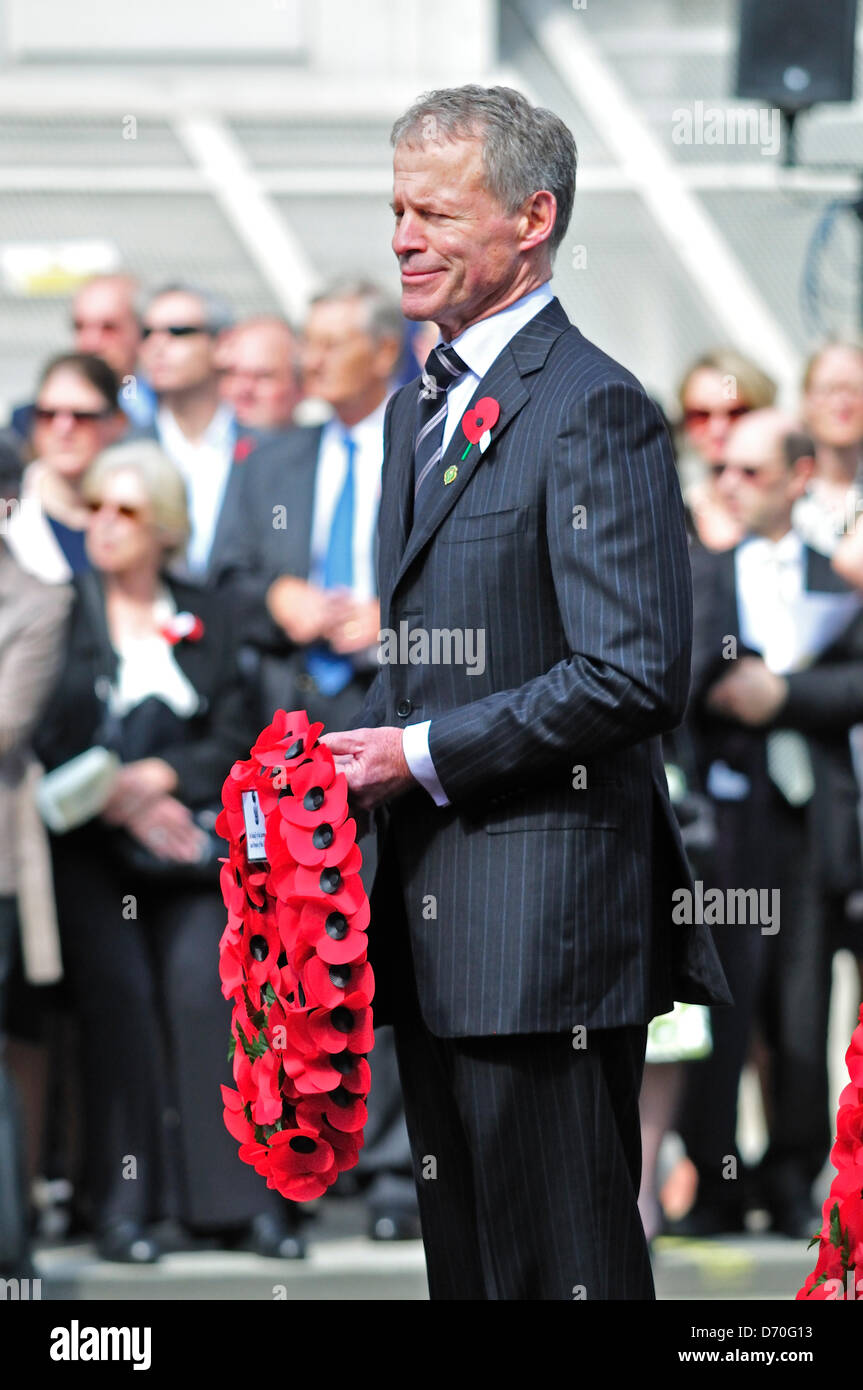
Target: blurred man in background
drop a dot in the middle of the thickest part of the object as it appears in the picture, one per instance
(106, 322)
(183, 326)
(260, 373)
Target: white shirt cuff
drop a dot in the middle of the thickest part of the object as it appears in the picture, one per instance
(415, 745)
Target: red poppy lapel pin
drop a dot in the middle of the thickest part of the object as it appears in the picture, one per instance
(244, 446)
(479, 421)
(183, 627)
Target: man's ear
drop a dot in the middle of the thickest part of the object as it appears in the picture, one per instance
(538, 216)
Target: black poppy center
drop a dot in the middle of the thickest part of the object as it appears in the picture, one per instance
(340, 975)
(295, 749)
(342, 1019)
(259, 947)
(331, 881)
(343, 1062)
(341, 1097)
(337, 926)
(302, 1144)
(323, 836)
(314, 799)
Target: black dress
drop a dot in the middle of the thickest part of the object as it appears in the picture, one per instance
(141, 955)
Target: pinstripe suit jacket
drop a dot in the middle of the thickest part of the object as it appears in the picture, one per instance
(532, 906)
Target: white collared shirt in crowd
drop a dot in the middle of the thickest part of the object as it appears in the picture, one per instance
(205, 464)
(789, 625)
(477, 346)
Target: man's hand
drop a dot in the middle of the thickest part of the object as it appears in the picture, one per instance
(355, 625)
(302, 610)
(373, 762)
(137, 784)
(749, 692)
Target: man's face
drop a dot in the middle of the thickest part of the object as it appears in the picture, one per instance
(340, 360)
(458, 249)
(259, 379)
(757, 486)
(104, 323)
(177, 362)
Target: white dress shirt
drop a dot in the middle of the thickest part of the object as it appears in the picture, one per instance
(147, 666)
(205, 464)
(478, 346)
(368, 437)
(789, 625)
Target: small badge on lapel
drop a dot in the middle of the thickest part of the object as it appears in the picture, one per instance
(450, 475)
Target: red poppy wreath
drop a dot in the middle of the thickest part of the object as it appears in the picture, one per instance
(292, 960)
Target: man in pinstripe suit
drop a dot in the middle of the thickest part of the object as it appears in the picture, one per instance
(521, 929)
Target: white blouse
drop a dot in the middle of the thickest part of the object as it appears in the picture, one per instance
(147, 666)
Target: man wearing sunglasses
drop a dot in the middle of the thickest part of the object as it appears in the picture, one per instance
(182, 327)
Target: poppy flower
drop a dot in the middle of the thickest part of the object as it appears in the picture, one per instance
(234, 1116)
(260, 947)
(340, 1108)
(320, 794)
(337, 937)
(342, 893)
(484, 416)
(329, 985)
(349, 1025)
(321, 845)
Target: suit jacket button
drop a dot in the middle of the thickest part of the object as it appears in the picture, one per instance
(403, 708)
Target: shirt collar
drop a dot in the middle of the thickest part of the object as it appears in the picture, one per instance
(788, 550)
(215, 436)
(369, 429)
(482, 342)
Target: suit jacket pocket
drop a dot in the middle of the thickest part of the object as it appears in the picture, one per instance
(598, 806)
(484, 527)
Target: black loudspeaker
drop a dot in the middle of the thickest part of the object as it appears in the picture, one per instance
(794, 53)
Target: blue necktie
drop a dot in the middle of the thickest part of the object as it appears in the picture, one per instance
(330, 671)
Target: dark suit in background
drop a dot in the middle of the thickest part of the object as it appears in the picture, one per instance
(811, 854)
(526, 910)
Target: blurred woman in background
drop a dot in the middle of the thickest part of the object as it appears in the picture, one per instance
(716, 391)
(76, 416)
(151, 672)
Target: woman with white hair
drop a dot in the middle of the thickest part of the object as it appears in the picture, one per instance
(151, 675)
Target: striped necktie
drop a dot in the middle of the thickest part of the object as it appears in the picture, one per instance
(443, 369)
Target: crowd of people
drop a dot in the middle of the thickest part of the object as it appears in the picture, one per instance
(188, 544)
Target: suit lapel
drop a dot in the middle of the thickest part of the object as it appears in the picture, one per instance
(505, 382)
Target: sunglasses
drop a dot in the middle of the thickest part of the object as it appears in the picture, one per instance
(46, 415)
(717, 469)
(701, 417)
(176, 330)
(122, 509)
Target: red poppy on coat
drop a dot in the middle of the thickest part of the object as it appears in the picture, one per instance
(484, 416)
(244, 446)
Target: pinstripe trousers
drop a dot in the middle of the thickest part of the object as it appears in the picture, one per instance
(527, 1161)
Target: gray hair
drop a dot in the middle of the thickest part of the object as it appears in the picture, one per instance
(162, 482)
(384, 318)
(218, 314)
(524, 148)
